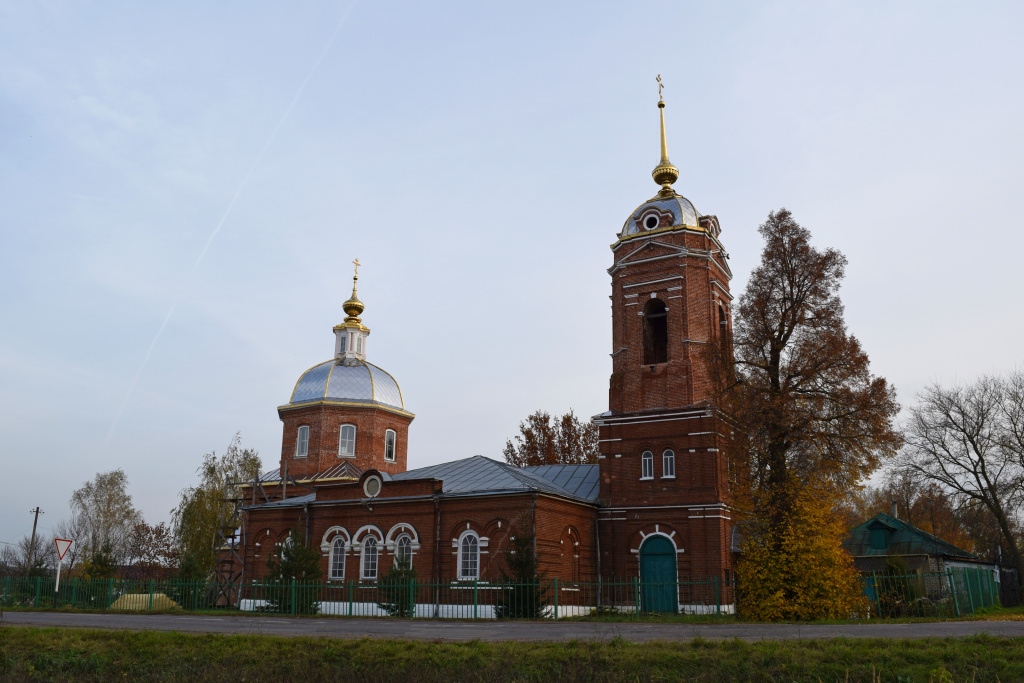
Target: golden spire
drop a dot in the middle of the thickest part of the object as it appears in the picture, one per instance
(664, 173)
(353, 307)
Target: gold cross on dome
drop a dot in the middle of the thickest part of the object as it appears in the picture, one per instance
(660, 86)
(356, 263)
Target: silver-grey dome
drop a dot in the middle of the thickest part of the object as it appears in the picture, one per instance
(677, 211)
(347, 381)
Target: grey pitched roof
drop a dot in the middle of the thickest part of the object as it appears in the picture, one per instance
(480, 475)
(582, 481)
(483, 475)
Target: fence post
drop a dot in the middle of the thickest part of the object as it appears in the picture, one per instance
(970, 593)
(556, 597)
(74, 591)
(636, 585)
(718, 601)
(476, 601)
(151, 586)
(293, 595)
(350, 598)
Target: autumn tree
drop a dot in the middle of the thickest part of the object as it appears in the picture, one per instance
(815, 421)
(104, 513)
(150, 549)
(202, 509)
(543, 441)
(969, 440)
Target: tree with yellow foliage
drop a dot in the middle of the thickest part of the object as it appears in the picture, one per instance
(814, 422)
(801, 571)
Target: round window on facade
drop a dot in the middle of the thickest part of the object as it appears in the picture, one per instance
(371, 487)
(651, 221)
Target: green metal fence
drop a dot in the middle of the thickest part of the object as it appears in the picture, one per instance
(956, 592)
(446, 599)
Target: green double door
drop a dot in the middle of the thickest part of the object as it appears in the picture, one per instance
(659, 590)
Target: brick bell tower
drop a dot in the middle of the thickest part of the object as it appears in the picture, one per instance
(664, 475)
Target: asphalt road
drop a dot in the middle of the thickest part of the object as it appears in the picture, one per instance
(454, 631)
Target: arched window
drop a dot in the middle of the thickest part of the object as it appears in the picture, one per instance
(469, 557)
(647, 465)
(655, 332)
(403, 551)
(347, 441)
(338, 559)
(370, 558)
(668, 464)
(389, 445)
(302, 442)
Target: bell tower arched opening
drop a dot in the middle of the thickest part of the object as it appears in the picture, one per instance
(655, 332)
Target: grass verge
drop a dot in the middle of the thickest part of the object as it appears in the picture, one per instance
(87, 655)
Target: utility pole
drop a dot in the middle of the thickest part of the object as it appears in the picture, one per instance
(32, 543)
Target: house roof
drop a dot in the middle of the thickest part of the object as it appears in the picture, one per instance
(903, 538)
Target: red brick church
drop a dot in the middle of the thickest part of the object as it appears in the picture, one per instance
(655, 506)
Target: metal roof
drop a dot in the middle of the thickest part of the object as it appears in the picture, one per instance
(348, 380)
(904, 539)
(483, 475)
(582, 481)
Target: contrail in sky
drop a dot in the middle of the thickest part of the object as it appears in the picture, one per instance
(226, 214)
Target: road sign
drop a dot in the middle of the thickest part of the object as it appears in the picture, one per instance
(62, 546)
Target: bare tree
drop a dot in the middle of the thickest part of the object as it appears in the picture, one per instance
(968, 439)
(566, 441)
(104, 508)
(24, 559)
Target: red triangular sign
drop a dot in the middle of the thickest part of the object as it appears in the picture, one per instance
(62, 546)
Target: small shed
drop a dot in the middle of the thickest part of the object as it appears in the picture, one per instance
(883, 538)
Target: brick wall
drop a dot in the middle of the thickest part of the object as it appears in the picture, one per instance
(324, 421)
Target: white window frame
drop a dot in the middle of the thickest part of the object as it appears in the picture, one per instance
(341, 440)
(368, 542)
(647, 465)
(359, 343)
(668, 464)
(302, 442)
(334, 561)
(398, 548)
(343, 338)
(391, 439)
(463, 541)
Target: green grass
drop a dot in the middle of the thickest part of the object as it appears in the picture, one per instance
(87, 655)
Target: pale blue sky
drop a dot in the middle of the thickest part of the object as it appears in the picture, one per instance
(478, 158)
